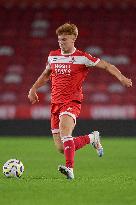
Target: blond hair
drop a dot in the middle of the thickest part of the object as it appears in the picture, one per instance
(68, 29)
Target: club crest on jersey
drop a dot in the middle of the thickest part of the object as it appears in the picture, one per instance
(72, 60)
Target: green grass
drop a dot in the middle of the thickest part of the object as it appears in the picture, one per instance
(110, 180)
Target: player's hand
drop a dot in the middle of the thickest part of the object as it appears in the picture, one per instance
(32, 96)
(126, 81)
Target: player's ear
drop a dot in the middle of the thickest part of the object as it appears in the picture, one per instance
(74, 38)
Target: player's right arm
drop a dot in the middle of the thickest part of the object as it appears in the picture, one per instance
(43, 78)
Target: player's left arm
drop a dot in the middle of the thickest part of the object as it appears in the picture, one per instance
(115, 72)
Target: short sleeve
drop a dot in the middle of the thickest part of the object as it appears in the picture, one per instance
(90, 60)
(48, 59)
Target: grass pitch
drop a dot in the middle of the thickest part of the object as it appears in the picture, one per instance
(110, 180)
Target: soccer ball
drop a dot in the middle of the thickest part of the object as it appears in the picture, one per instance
(13, 168)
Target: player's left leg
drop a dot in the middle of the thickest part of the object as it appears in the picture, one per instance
(93, 139)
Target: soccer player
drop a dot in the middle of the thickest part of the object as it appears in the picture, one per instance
(67, 68)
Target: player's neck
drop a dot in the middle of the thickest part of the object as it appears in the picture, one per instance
(68, 52)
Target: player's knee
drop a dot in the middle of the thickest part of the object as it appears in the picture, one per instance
(64, 129)
(63, 126)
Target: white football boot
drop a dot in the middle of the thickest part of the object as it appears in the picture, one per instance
(68, 172)
(95, 142)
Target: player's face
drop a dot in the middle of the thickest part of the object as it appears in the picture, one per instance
(66, 42)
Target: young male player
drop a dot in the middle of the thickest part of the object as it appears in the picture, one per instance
(67, 68)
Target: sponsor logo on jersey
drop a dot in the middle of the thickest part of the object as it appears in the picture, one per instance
(62, 69)
(59, 65)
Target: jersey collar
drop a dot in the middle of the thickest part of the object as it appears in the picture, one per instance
(65, 54)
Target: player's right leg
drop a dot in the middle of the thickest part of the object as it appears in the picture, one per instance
(66, 126)
(60, 147)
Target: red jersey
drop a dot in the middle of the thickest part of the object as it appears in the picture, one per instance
(68, 73)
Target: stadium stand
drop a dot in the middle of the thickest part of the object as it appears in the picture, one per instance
(27, 34)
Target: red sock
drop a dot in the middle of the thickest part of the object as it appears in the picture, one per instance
(69, 151)
(81, 141)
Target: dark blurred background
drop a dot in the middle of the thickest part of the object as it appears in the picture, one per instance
(107, 29)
